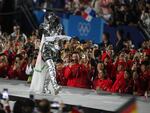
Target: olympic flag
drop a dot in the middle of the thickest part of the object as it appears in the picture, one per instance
(86, 30)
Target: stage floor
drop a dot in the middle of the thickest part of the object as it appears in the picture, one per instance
(76, 96)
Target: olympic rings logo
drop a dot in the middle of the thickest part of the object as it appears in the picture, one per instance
(84, 28)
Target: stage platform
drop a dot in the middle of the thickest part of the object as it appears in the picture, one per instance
(77, 96)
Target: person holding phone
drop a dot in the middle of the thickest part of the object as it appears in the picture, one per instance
(5, 95)
(5, 101)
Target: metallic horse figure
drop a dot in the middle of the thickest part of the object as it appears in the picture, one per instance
(50, 46)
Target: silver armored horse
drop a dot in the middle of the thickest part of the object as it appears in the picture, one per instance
(52, 32)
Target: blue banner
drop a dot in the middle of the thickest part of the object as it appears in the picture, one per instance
(39, 14)
(136, 36)
(85, 30)
(77, 26)
(65, 23)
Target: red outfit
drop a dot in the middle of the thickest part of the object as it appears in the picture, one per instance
(104, 84)
(61, 80)
(90, 74)
(11, 72)
(114, 68)
(130, 63)
(18, 73)
(76, 76)
(146, 51)
(145, 80)
(113, 72)
(10, 55)
(109, 69)
(22, 75)
(120, 83)
(137, 87)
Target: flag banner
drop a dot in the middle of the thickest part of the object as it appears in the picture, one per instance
(85, 30)
(89, 14)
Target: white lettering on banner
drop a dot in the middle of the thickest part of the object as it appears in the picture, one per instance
(84, 28)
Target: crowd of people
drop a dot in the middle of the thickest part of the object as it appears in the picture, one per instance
(120, 12)
(119, 68)
(82, 64)
(115, 12)
(16, 52)
(35, 106)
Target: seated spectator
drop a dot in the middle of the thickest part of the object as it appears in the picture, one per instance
(145, 18)
(137, 84)
(28, 106)
(44, 106)
(129, 15)
(120, 84)
(145, 48)
(75, 73)
(3, 65)
(145, 76)
(18, 35)
(18, 106)
(61, 80)
(106, 10)
(110, 51)
(10, 51)
(29, 46)
(87, 65)
(30, 68)
(2, 108)
(102, 82)
(5, 107)
(17, 69)
(66, 57)
(107, 64)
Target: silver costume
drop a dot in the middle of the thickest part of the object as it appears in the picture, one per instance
(51, 30)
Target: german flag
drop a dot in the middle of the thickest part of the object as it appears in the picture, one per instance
(130, 107)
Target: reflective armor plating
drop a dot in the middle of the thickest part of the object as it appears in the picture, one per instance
(50, 28)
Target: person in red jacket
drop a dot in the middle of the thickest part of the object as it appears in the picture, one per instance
(102, 82)
(14, 69)
(23, 64)
(10, 52)
(137, 84)
(87, 66)
(107, 64)
(120, 85)
(145, 76)
(17, 69)
(61, 80)
(76, 74)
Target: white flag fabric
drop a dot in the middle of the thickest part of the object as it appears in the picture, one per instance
(41, 69)
(39, 73)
